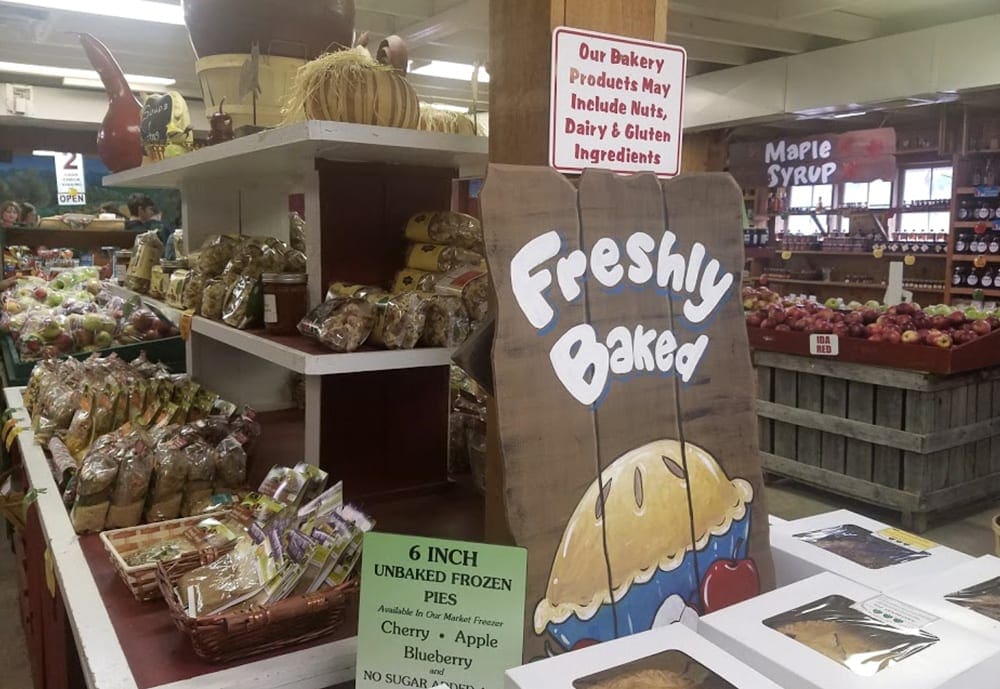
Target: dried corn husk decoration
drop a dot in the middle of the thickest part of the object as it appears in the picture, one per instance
(351, 86)
(435, 120)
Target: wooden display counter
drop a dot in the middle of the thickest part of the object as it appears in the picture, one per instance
(914, 442)
(125, 644)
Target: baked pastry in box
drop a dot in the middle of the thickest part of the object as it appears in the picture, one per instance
(672, 657)
(828, 632)
(968, 595)
(858, 548)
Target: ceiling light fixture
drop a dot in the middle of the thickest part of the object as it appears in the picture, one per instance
(142, 10)
(450, 70)
(44, 154)
(69, 73)
(845, 115)
(448, 107)
(76, 82)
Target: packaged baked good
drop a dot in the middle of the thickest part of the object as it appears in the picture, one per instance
(295, 262)
(93, 489)
(447, 322)
(146, 252)
(446, 227)
(177, 241)
(226, 582)
(342, 323)
(215, 252)
(400, 319)
(194, 289)
(413, 280)
(472, 285)
(230, 464)
(175, 287)
(201, 470)
(244, 307)
(81, 428)
(213, 298)
(439, 258)
(861, 546)
(347, 289)
(132, 482)
(169, 475)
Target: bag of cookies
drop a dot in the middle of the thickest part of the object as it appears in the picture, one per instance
(414, 280)
(472, 285)
(446, 227)
(342, 323)
(447, 322)
(132, 482)
(244, 307)
(439, 258)
(400, 319)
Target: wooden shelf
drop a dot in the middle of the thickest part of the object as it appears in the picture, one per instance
(304, 356)
(859, 285)
(291, 150)
(917, 151)
(962, 191)
(968, 224)
(68, 239)
(967, 292)
(969, 258)
(863, 254)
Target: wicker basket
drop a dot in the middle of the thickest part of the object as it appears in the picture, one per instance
(141, 579)
(239, 634)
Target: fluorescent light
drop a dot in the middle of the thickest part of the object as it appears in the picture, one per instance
(451, 70)
(449, 108)
(845, 115)
(143, 10)
(96, 84)
(44, 154)
(69, 73)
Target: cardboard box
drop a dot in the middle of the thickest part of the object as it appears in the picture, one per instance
(912, 650)
(674, 646)
(858, 548)
(968, 595)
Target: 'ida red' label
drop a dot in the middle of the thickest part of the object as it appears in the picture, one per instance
(824, 345)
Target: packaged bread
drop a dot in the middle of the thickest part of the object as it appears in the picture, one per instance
(447, 321)
(296, 232)
(400, 319)
(170, 472)
(201, 471)
(244, 307)
(342, 323)
(147, 252)
(446, 227)
(213, 299)
(132, 482)
(230, 464)
(439, 258)
(472, 285)
(93, 489)
(414, 280)
(194, 289)
(347, 289)
(175, 287)
(215, 252)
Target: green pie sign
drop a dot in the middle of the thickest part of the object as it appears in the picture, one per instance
(439, 612)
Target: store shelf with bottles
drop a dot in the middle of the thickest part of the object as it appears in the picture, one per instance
(867, 254)
(848, 285)
(360, 184)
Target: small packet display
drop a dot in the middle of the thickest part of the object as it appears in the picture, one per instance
(175, 287)
(446, 227)
(213, 299)
(147, 252)
(230, 464)
(447, 322)
(342, 323)
(233, 578)
(323, 504)
(400, 319)
(316, 480)
(414, 280)
(286, 485)
(835, 628)
(438, 258)
(244, 307)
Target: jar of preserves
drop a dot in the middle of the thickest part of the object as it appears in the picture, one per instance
(122, 258)
(972, 278)
(987, 279)
(982, 244)
(962, 243)
(958, 276)
(964, 210)
(286, 301)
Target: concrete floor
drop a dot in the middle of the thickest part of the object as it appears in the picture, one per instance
(969, 532)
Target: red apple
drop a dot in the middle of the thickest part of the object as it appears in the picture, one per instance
(943, 341)
(911, 337)
(801, 324)
(841, 329)
(993, 321)
(957, 318)
(728, 582)
(857, 330)
(892, 335)
(869, 315)
(940, 322)
(822, 326)
(40, 293)
(776, 313)
(753, 320)
(981, 327)
(905, 309)
(854, 317)
(875, 337)
(825, 314)
(783, 327)
(767, 324)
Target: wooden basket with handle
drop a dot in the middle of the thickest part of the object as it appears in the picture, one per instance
(141, 579)
(241, 633)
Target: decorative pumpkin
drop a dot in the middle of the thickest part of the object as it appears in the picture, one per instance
(351, 86)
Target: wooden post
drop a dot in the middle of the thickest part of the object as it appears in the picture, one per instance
(520, 73)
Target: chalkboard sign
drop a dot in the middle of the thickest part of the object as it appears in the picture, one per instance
(625, 395)
(157, 112)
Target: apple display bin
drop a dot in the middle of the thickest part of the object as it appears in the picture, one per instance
(911, 441)
(169, 351)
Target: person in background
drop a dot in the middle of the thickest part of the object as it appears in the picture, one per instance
(29, 215)
(142, 209)
(10, 213)
(165, 232)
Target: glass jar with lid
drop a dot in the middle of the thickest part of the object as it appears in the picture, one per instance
(286, 300)
(122, 259)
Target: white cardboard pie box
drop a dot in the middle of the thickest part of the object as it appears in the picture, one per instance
(930, 595)
(796, 559)
(562, 671)
(960, 659)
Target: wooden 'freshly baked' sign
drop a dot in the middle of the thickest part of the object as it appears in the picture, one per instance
(624, 391)
(861, 156)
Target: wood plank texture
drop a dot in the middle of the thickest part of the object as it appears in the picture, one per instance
(785, 394)
(860, 407)
(834, 404)
(765, 392)
(887, 461)
(810, 399)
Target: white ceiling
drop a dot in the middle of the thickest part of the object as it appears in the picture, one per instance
(716, 33)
